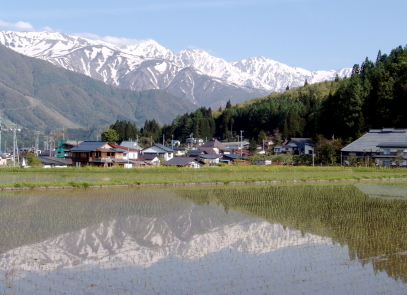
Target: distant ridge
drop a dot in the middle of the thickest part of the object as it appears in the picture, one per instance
(37, 95)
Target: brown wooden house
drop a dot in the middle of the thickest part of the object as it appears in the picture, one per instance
(97, 154)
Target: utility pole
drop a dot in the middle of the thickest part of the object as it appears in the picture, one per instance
(0, 133)
(15, 146)
(241, 139)
(37, 140)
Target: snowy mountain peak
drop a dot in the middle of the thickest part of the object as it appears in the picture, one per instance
(149, 48)
(136, 67)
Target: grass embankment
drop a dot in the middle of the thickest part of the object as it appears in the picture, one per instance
(85, 177)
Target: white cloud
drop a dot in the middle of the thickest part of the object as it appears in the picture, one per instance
(48, 29)
(110, 39)
(20, 26)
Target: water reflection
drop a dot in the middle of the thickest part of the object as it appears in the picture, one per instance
(384, 191)
(143, 241)
(269, 240)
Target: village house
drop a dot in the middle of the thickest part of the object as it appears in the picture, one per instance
(299, 146)
(214, 146)
(179, 151)
(131, 144)
(391, 154)
(195, 153)
(3, 159)
(376, 145)
(159, 151)
(263, 162)
(194, 141)
(148, 159)
(96, 153)
(64, 147)
(184, 162)
(54, 162)
(129, 154)
(210, 159)
(234, 159)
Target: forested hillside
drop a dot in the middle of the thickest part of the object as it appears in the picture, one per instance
(40, 96)
(375, 96)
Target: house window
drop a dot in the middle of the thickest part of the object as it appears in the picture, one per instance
(386, 152)
(98, 154)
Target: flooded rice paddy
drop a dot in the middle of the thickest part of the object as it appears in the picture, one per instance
(281, 239)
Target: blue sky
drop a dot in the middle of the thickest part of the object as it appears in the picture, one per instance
(312, 34)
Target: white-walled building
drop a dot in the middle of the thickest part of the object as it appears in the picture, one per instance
(159, 150)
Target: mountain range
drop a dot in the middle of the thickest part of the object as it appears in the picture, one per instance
(192, 74)
(37, 95)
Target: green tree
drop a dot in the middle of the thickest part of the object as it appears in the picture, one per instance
(253, 146)
(33, 161)
(110, 135)
(262, 136)
(228, 105)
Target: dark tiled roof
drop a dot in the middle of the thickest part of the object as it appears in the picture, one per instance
(234, 156)
(88, 146)
(54, 161)
(370, 140)
(215, 143)
(179, 161)
(147, 157)
(165, 148)
(194, 153)
(394, 144)
(301, 142)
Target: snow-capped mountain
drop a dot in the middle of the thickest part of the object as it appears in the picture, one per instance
(278, 76)
(192, 73)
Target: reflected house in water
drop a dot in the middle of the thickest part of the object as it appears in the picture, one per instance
(379, 145)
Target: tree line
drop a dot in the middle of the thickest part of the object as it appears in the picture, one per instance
(374, 96)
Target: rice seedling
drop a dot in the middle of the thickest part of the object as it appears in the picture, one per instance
(270, 239)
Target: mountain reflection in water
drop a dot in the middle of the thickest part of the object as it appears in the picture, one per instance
(194, 241)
